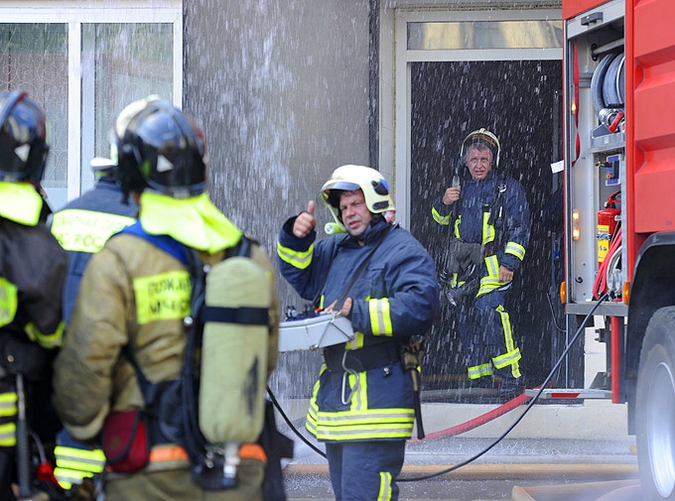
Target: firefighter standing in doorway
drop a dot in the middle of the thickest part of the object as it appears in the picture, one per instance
(134, 304)
(32, 272)
(384, 281)
(489, 222)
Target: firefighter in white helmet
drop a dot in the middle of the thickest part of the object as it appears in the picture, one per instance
(380, 277)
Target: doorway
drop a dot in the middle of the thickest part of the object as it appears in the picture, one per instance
(520, 102)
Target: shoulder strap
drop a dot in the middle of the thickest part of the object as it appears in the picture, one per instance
(163, 242)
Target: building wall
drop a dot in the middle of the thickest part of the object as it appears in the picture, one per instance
(281, 88)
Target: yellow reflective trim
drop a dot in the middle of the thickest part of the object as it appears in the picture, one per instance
(380, 317)
(488, 229)
(8, 435)
(444, 220)
(8, 404)
(49, 341)
(20, 202)
(358, 341)
(385, 487)
(478, 371)
(80, 459)
(165, 296)
(299, 260)
(458, 222)
(8, 301)
(85, 230)
(67, 477)
(515, 249)
(512, 355)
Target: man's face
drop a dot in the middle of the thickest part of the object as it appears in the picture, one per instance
(479, 162)
(355, 214)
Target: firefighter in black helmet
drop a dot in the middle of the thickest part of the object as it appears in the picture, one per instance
(488, 219)
(134, 299)
(32, 271)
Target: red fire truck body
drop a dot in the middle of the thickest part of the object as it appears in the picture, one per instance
(619, 78)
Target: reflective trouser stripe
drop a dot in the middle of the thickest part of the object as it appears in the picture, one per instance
(300, 260)
(478, 371)
(385, 486)
(512, 355)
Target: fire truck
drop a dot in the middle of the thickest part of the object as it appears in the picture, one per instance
(619, 202)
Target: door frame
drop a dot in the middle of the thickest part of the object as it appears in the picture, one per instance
(395, 64)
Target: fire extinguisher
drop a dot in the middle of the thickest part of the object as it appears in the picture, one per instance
(607, 224)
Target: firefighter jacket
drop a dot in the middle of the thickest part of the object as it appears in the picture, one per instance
(132, 293)
(84, 225)
(32, 271)
(505, 238)
(394, 298)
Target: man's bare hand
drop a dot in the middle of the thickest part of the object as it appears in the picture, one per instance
(305, 222)
(451, 195)
(505, 275)
(344, 311)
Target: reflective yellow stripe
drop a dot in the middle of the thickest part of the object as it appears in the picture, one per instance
(359, 385)
(380, 317)
(488, 229)
(86, 231)
(512, 355)
(299, 260)
(385, 486)
(360, 425)
(8, 301)
(515, 249)
(20, 202)
(8, 435)
(444, 220)
(490, 281)
(162, 297)
(49, 341)
(458, 222)
(357, 342)
(80, 459)
(8, 404)
(478, 371)
(67, 478)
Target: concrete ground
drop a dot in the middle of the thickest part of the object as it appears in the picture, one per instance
(570, 451)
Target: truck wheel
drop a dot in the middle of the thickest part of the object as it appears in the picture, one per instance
(655, 409)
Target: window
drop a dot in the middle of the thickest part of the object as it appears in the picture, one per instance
(83, 65)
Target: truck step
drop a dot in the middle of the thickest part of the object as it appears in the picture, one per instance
(568, 393)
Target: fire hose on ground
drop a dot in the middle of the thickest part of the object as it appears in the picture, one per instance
(472, 423)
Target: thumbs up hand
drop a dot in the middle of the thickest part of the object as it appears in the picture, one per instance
(305, 222)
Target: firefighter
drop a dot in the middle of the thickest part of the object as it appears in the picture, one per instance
(488, 219)
(379, 276)
(32, 272)
(134, 298)
(82, 227)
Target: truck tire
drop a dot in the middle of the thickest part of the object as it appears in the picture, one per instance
(655, 409)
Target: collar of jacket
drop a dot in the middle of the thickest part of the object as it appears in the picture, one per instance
(20, 202)
(194, 221)
(372, 234)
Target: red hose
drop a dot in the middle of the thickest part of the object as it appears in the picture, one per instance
(478, 420)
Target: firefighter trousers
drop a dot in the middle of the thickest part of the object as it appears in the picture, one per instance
(365, 471)
(487, 338)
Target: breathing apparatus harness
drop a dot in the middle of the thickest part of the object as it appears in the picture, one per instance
(467, 258)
